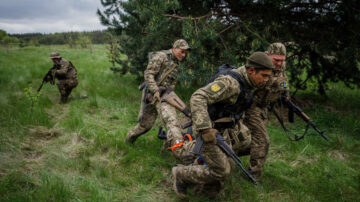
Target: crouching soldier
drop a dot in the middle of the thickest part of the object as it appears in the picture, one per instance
(226, 97)
(65, 72)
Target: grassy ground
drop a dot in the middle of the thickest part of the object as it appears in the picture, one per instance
(76, 151)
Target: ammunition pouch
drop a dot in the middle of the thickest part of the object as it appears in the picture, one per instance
(223, 123)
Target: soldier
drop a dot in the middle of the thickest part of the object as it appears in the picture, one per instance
(161, 75)
(256, 116)
(66, 74)
(225, 97)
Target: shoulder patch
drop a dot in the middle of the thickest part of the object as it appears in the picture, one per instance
(215, 87)
(283, 84)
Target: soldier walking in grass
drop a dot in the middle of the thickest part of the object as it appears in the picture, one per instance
(161, 76)
(257, 115)
(65, 72)
(226, 97)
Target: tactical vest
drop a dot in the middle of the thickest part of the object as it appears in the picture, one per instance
(159, 76)
(234, 111)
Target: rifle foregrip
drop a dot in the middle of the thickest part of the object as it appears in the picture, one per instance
(142, 86)
(187, 112)
(187, 124)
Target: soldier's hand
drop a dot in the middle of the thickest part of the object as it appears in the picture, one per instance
(53, 73)
(162, 89)
(156, 97)
(209, 135)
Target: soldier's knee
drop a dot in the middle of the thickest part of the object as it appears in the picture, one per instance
(222, 172)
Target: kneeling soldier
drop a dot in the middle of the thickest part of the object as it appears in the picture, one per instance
(66, 74)
(226, 97)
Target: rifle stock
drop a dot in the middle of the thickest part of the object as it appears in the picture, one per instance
(175, 101)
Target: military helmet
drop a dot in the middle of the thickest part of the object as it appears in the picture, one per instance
(259, 60)
(182, 44)
(55, 55)
(277, 48)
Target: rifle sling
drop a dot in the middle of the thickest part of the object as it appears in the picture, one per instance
(166, 74)
(287, 131)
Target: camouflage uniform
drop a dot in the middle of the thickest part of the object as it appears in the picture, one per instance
(224, 89)
(66, 74)
(161, 62)
(256, 116)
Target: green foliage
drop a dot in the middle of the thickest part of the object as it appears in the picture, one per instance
(2, 34)
(113, 49)
(33, 97)
(89, 161)
(229, 31)
(83, 41)
(96, 37)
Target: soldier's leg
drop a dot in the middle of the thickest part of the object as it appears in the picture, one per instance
(217, 168)
(69, 85)
(146, 119)
(174, 137)
(61, 84)
(256, 122)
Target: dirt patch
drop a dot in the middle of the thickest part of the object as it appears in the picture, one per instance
(58, 112)
(336, 154)
(42, 132)
(302, 160)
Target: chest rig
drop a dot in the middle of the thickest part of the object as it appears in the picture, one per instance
(233, 111)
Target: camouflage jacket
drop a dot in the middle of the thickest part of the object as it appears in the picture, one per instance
(160, 63)
(224, 89)
(273, 90)
(65, 70)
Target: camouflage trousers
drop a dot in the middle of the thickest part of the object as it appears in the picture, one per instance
(65, 87)
(209, 177)
(255, 120)
(146, 119)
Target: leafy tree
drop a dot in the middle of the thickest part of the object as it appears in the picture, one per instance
(2, 34)
(83, 41)
(321, 36)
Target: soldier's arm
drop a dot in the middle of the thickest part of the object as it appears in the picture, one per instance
(64, 67)
(219, 90)
(152, 70)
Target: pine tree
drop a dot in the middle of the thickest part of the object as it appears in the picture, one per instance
(321, 36)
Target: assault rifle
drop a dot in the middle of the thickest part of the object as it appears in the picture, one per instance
(220, 141)
(295, 109)
(47, 78)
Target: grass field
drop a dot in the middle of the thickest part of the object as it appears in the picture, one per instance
(76, 151)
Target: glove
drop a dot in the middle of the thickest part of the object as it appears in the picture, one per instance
(162, 89)
(209, 135)
(156, 97)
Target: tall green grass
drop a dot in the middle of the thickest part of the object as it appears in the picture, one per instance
(89, 161)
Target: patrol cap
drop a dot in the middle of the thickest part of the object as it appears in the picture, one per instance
(182, 44)
(55, 55)
(277, 49)
(259, 60)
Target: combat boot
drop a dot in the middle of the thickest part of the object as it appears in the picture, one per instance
(63, 99)
(179, 186)
(134, 133)
(131, 138)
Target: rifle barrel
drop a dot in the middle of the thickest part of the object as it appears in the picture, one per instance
(320, 132)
